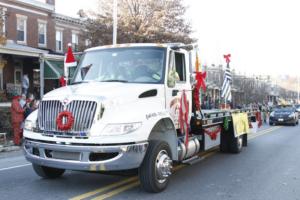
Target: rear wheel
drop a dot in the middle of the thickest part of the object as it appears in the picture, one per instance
(236, 144)
(47, 172)
(155, 171)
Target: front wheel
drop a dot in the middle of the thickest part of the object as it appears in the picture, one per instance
(47, 172)
(155, 171)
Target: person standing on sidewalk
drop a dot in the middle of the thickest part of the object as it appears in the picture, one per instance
(17, 117)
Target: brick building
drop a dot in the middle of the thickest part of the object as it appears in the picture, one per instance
(36, 39)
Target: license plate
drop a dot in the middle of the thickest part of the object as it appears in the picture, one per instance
(66, 155)
(280, 120)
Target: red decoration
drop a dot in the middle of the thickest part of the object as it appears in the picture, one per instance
(62, 81)
(258, 118)
(213, 134)
(70, 59)
(69, 121)
(184, 117)
(200, 83)
(227, 58)
(250, 125)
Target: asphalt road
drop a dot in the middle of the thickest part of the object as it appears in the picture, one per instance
(269, 168)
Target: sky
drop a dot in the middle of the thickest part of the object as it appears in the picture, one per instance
(262, 36)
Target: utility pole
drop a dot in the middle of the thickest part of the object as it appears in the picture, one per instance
(115, 21)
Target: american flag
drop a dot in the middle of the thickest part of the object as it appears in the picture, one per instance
(226, 87)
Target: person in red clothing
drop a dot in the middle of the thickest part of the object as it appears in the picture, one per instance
(17, 117)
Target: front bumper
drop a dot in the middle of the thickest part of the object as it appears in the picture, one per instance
(282, 120)
(85, 157)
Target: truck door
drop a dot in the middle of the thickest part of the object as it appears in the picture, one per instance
(177, 80)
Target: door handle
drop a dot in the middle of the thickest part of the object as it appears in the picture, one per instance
(175, 92)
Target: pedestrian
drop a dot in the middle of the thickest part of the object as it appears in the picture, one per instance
(25, 84)
(17, 117)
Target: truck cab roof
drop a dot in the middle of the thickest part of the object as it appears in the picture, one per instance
(126, 45)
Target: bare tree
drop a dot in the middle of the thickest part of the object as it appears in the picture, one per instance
(139, 21)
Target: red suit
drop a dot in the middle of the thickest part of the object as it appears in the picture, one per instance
(17, 117)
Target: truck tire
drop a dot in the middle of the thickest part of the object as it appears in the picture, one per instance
(236, 144)
(47, 172)
(224, 142)
(155, 171)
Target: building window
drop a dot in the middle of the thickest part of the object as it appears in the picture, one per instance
(59, 40)
(42, 30)
(75, 41)
(21, 28)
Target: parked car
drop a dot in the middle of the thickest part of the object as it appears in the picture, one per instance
(284, 115)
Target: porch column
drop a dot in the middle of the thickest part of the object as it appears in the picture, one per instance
(42, 69)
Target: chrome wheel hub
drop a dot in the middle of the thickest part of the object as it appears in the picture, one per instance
(163, 166)
(240, 142)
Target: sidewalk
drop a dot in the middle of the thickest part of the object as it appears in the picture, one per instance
(9, 147)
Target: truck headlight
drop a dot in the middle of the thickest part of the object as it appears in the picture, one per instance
(120, 129)
(272, 114)
(29, 125)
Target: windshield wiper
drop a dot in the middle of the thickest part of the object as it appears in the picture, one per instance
(115, 80)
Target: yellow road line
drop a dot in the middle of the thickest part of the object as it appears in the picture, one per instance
(261, 132)
(117, 191)
(137, 183)
(106, 188)
(133, 181)
(264, 132)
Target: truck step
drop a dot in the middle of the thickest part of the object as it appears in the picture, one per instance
(192, 160)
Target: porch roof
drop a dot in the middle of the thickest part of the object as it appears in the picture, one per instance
(17, 49)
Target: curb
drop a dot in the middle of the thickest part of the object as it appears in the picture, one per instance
(9, 147)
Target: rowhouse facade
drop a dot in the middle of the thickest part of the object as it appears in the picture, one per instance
(34, 33)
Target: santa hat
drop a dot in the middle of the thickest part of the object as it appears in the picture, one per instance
(70, 59)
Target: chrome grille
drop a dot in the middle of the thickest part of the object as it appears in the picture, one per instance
(83, 112)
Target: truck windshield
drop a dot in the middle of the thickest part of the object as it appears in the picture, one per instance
(127, 65)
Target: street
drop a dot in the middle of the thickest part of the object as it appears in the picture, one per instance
(267, 169)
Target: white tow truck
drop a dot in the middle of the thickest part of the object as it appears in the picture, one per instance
(120, 112)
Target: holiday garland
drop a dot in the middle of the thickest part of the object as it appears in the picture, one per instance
(226, 124)
(69, 121)
(214, 133)
(200, 83)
